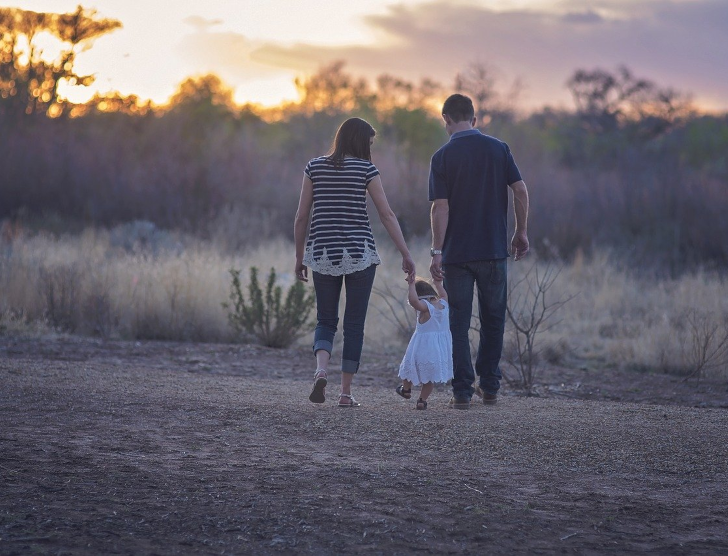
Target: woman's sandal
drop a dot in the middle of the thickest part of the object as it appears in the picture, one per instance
(351, 403)
(406, 394)
(318, 394)
(421, 404)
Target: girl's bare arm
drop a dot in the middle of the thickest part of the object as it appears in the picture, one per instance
(440, 289)
(415, 301)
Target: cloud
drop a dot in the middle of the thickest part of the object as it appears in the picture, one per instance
(679, 44)
(225, 53)
(201, 24)
(587, 17)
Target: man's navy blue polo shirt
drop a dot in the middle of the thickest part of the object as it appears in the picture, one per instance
(473, 171)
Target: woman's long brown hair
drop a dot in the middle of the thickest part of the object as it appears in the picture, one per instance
(352, 139)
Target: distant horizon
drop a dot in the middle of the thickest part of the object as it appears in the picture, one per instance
(258, 50)
(260, 109)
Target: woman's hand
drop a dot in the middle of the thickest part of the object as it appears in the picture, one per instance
(408, 265)
(301, 271)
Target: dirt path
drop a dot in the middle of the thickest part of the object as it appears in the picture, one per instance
(178, 448)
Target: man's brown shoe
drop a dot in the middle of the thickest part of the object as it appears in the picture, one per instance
(459, 403)
(490, 399)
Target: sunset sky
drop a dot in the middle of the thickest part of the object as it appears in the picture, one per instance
(259, 46)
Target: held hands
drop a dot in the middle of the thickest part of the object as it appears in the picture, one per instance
(408, 266)
(438, 275)
(519, 245)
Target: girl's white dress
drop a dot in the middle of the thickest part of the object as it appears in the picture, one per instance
(429, 354)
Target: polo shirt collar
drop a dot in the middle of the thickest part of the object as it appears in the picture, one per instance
(465, 133)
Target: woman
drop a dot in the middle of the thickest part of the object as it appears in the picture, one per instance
(340, 247)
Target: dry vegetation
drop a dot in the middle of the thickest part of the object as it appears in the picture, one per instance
(137, 282)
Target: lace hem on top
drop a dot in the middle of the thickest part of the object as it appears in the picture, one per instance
(347, 265)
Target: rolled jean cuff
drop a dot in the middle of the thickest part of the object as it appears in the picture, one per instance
(349, 366)
(324, 345)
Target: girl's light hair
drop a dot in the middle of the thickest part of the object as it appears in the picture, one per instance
(424, 288)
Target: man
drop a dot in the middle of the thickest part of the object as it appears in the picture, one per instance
(469, 180)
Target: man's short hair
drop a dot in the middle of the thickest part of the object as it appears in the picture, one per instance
(459, 108)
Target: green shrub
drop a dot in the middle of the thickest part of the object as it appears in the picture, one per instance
(273, 323)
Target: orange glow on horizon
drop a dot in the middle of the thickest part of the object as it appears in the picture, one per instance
(260, 48)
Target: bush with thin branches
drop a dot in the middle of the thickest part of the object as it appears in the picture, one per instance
(531, 312)
(706, 347)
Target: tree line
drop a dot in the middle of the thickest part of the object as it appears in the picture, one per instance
(633, 166)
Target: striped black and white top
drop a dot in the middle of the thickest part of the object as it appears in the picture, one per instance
(340, 240)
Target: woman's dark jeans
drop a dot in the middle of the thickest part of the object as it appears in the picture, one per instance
(328, 291)
(490, 277)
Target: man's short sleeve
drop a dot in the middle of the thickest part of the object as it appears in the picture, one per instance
(307, 170)
(438, 184)
(372, 172)
(512, 173)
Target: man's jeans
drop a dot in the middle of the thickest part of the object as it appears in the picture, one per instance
(490, 278)
(328, 291)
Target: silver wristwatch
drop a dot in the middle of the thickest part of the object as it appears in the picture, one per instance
(434, 252)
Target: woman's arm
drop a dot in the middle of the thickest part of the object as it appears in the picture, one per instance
(389, 220)
(300, 226)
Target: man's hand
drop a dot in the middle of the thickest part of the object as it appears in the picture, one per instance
(519, 245)
(436, 268)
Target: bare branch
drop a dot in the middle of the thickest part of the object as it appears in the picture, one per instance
(530, 312)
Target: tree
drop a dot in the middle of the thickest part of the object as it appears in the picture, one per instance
(607, 101)
(478, 81)
(29, 81)
(207, 91)
(331, 90)
(395, 93)
(113, 103)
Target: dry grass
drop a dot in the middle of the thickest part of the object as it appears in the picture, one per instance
(89, 285)
(172, 287)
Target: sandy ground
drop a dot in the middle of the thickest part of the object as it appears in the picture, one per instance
(167, 448)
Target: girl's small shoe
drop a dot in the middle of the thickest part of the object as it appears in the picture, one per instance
(406, 394)
(421, 404)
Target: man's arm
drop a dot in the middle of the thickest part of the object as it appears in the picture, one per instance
(439, 216)
(519, 244)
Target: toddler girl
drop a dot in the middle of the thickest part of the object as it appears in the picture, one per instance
(428, 358)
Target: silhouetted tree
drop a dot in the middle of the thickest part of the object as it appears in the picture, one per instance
(28, 81)
(478, 81)
(331, 90)
(393, 92)
(113, 103)
(606, 101)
